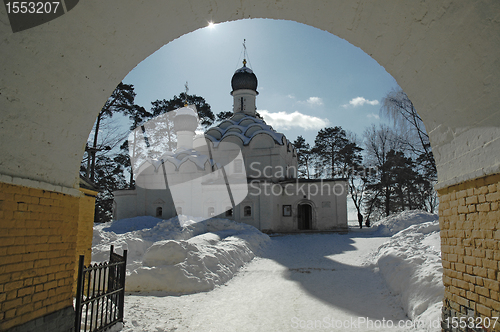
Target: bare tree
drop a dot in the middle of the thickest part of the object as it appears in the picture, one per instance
(357, 186)
(105, 137)
(398, 107)
(378, 143)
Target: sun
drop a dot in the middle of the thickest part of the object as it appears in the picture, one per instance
(211, 25)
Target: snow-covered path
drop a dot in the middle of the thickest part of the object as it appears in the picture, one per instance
(300, 282)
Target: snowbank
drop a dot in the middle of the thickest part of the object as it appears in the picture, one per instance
(391, 225)
(410, 263)
(179, 255)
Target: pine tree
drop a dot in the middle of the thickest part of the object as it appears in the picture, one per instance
(304, 156)
(108, 178)
(105, 166)
(221, 116)
(328, 145)
(202, 107)
(121, 100)
(337, 155)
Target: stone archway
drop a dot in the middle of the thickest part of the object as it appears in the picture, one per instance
(55, 78)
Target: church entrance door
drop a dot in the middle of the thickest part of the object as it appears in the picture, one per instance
(305, 216)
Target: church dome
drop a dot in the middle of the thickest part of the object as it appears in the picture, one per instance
(185, 119)
(244, 78)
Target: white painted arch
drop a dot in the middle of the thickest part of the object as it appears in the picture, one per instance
(54, 78)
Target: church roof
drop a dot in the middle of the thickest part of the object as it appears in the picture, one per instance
(245, 127)
(178, 158)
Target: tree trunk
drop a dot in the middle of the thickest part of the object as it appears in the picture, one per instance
(94, 147)
(387, 201)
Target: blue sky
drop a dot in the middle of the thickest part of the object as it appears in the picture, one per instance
(307, 78)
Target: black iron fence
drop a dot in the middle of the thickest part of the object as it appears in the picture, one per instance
(100, 293)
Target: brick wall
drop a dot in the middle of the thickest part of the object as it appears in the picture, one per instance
(37, 252)
(85, 229)
(469, 218)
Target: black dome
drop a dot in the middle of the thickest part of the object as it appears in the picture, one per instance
(244, 78)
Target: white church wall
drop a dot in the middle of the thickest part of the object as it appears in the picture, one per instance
(341, 207)
(327, 198)
(288, 223)
(159, 199)
(249, 211)
(270, 163)
(262, 141)
(125, 204)
(214, 198)
(269, 215)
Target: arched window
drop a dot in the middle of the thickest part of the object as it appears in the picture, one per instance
(159, 211)
(211, 211)
(247, 211)
(229, 212)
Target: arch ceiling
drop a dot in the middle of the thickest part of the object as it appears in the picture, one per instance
(55, 77)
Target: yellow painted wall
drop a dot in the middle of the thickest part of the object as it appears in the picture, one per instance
(469, 219)
(85, 229)
(37, 252)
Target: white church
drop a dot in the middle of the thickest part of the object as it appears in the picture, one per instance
(241, 169)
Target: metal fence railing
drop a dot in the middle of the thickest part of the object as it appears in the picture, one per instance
(100, 293)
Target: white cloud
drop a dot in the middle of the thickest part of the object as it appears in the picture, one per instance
(360, 101)
(283, 120)
(315, 101)
(311, 101)
(291, 96)
(373, 115)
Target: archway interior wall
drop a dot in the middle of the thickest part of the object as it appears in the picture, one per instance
(57, 76)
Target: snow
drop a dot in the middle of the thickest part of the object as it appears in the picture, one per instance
(391, 225)
(115, 328)
(179, 255)
(242, 124)
(238, 279)
(410, 263)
